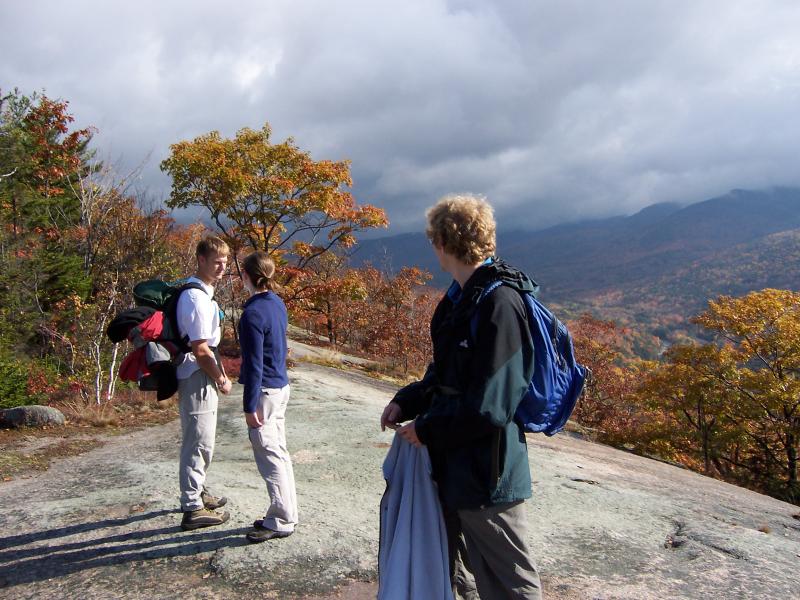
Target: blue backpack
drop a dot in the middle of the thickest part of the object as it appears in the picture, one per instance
(557, 380)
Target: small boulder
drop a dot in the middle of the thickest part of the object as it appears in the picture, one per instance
(31, 416)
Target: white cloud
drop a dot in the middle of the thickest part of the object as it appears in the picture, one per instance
(555, 111)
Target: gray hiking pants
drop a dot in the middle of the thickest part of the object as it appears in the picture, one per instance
(198, 407)
(273, 459)
(489, 557)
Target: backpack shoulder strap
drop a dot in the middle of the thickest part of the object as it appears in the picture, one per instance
(171, 313)
(473, 325)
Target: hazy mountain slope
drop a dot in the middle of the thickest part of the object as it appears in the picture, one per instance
(579, 261)
(769, 261)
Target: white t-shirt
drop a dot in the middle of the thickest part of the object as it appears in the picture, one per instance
(198, 317)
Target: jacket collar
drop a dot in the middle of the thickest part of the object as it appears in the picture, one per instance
(455, 293)
(255, 297)
(493, 269)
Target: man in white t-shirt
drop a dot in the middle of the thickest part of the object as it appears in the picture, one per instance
(200, 377)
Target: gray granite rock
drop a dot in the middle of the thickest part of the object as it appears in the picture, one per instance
(602, 524)
(31, 416)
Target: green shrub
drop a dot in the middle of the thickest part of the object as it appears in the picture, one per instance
(14, 377)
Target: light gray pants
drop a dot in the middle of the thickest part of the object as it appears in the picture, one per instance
(198, 407)
(489, 557)
(273, 459)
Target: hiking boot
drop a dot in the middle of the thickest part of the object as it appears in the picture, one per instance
(202, 517)
(212, 502)
(262, 534)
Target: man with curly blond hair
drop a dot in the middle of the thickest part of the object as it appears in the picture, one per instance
(463, 408)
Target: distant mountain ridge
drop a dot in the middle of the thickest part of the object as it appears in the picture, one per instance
(666, 257)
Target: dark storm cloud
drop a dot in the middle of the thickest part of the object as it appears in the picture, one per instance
(555, 111)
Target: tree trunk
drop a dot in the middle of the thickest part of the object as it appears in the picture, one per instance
(791, 455)
(329, 324)
(14, 215)
(331, 332)
(112, 376)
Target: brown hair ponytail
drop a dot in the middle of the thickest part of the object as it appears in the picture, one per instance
(260, 269)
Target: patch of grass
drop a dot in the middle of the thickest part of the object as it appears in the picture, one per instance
(25, 450)
(389, 374)
(90, 413)
(14, 463)
(129, 408)
(326, 358)
(334, 359)
(19, 460)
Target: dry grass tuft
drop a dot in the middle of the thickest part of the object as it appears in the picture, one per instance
(326, 357)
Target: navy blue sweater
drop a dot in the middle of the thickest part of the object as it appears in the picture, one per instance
(262, 335)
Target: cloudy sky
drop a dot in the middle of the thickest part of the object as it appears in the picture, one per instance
(556, 111)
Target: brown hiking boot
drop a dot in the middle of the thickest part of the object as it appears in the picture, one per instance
(259, 533)
(202, 517)
(212, 502)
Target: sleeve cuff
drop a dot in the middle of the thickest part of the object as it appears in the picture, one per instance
(423, 430)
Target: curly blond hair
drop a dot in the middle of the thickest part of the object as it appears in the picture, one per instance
(463, 226)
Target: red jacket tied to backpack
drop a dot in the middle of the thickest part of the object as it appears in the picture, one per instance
(156, 345)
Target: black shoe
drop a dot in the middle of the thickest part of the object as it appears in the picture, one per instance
(262, 534)
(202, 517)
(212, 502)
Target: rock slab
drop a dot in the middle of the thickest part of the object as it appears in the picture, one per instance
(34, 415)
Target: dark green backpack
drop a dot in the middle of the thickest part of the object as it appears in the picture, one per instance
(157, 294)
(163, 296)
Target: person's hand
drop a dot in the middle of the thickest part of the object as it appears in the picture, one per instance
(225, 387)
(252, 420)
(390, 416)
(409, 434)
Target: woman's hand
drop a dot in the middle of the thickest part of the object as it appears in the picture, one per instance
(252, 420)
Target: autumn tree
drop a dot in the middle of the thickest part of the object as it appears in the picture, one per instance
(396, 317)
(40, 156)
(325, 293)
(269, 196)
(369, 311)
(72, 244)
(690, 418)
(740, 396)
(605, 402)
(119, 243)
(763, 329)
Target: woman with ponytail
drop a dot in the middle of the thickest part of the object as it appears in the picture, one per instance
(262, 335)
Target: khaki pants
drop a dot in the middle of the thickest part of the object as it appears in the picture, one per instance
(489, 558)
(198, 407)
(273, 460)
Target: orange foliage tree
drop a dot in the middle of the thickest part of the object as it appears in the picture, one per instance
(734, 404)
(270, 197)
(605, 403)
(366, 310)
(690, 420)
(120, 244)
(396, 318)
(325, 292)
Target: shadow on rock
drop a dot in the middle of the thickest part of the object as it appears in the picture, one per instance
(29, 560)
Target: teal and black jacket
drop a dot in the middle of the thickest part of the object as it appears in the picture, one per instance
(465, 404)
